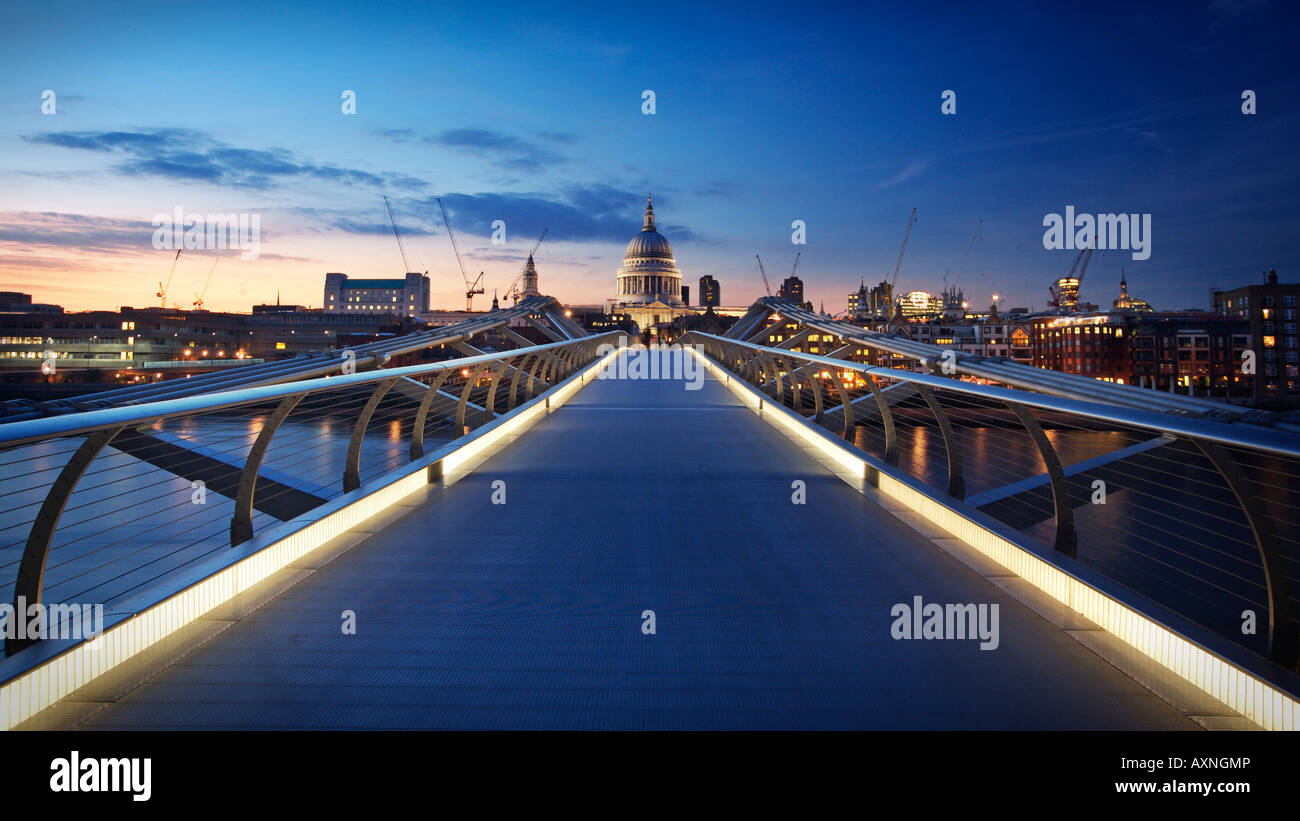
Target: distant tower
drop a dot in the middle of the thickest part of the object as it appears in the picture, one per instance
(649, 273)
(530, 279)
(1126, 302)
(495, 305)
(710, 293)
(791, 289)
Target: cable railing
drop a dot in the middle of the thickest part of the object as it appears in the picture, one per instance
(1197, 514)
(542, 312)
(99, 505)
(769, 313)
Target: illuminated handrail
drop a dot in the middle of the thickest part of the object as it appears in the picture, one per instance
(128, 426)
(764, 367)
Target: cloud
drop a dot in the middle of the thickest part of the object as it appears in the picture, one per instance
(397, 135)
(716, 189)
(584, 213)
(914, 169)
(49, 229)
(502, 149)
(183, 154)
(580, 213)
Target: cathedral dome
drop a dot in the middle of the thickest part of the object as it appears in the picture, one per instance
(649, 243)
(649, 274)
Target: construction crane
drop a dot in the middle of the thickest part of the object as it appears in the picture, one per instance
(910, 222)
(471, 288)
(406, 265)
(162, 289)
(198, 296)
(513, 291)
(766, 286)
(1065, 291)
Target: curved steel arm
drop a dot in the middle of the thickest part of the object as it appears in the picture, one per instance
(31, 568)
(352, 466)
(241, 524)
(819, 405)
(514, 382)
(887, 419)
(489, 406)
(846, 408)
(464, 398)
(417, 431)
(778, 386)
(1283, 642)
(533, 374)
(796, 385)
(956, 482)
(1066, 538)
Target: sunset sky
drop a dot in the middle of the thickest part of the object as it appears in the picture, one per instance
(532, 114)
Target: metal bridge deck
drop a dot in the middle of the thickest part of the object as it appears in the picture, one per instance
(634, 496)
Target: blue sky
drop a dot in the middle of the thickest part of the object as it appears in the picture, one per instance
(531, 113)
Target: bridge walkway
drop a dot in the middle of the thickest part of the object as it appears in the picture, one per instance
(633, 496)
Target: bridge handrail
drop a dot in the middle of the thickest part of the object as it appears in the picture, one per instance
(1263, 487)
(234, 471)
(1000, 369)
(1269, 440)
(34, 430)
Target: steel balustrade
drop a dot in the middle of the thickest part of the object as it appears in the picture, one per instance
(1211, 437)
(98, 429)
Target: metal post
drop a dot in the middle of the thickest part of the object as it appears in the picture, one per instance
(514, 382)
(417, 432)
(956, 483)
(845, 407)
(778, 387)
(490, 405)
(464, 398)
(1066, 539)
(887, 419)
(241, 524)
(352, 467)
(532, 374)
(1283, 643)
(819, 405)
(31, 568)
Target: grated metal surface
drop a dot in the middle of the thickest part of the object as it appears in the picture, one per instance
(528, 614)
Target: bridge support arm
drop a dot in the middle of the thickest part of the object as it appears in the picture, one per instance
(1066, 538)
(241, 524)
(352, 467)
(1283, 642)
(31, 568)
(956, 481)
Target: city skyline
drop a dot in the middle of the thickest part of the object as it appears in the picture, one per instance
(510, 116)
